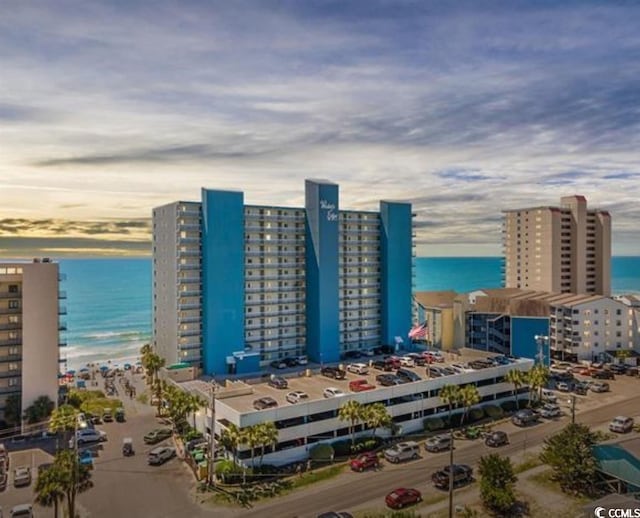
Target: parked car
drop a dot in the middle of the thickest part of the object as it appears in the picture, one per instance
(360, 385)
(120, 417)
(297, 396)
(278, 382)
(549, 411)
(621, 424)
(352, 355)
(564, 386)
(599, 386)
(264, 403)
(330, 392)
(549, 396)
(290, 362)
(407, 375)
(368, 352)
(388, 380)
(407, 361)
(358, 368)
(107, 416)
(436, 355)
(22, 476)
(602, 374)
(524, 417)
(383, 365)
(581, 388)
(278, 364)
(160, 455)
(462, 474)
(496, 438)
(88, 435)
(21, 511)
(302, 360)
(4, 478)
(418, 359)
(617, 368)
(402, 497)
(402, 451)
(333, 372)
(632, 371)
(365, 461)
(85, 458)
(438, 443)
(157, 435)
(433, 372)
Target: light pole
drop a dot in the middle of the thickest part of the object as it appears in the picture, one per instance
(572, 402)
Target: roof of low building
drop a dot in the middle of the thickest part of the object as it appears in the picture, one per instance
(436, 299)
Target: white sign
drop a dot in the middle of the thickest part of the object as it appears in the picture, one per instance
(330, 208)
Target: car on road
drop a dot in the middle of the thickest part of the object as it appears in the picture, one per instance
(120, 417)
(599, 386)
(265, 402)
(549, 411)
(438, 443)
(388, 380)
(157, 435)
(360, 385)
(496, 438)
(330, 392)
(85, 458)
(402, 451)
(21, 511)
(365, 461)
(333, 372)
(462, 474)
(524, 417)
(334, 514)
(297, 396)
(22, 476)
(407, 375)
(402, 497)
(358, 368)
(160, 455)
(621, 424)
(278, 382)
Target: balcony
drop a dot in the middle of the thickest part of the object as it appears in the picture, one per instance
(189, 332)
(190, 305)
(189, 293)
(10, 358)
(7, 326)
(10, 311)
(62, 326)
(185, 267)
(189, 320)
(62, 277)
(11, 390)
(62, 295)
(62, 310)
(189, 226)
(10, 295)
(11, 374)
(62, 343)
(10, 341)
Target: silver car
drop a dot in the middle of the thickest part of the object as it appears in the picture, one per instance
(22, 476)
(160, 455)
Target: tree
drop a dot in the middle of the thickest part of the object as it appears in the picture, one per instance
(517, 379)
(537, 378)
(74, 477)
(64, 420)
(376, 416)
(49, 488)
(469, 396)
(451, 396)
(195, 403)
(569, 455)
(232, 438)
(13, 409)
(351, 411)
(251, 437)
(40, 410)
(497, 483)
(267, 435)
(154, 364)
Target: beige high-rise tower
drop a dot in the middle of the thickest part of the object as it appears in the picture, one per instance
(558, 249)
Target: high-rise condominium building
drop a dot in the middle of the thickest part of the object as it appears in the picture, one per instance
(237, 286)
(29, 331)
(563, 249)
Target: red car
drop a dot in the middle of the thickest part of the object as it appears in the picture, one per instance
(402, 497)
(365, 461)
(360, 385)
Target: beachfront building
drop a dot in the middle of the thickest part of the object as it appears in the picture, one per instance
(29, 331)
(237, 286)
(583, 327)
(435, 310)
(303, 425)
(564, 249)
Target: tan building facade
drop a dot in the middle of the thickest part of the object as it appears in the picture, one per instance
(29, 331)
(564, 249)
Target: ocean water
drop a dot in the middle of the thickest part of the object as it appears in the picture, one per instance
(109, 300)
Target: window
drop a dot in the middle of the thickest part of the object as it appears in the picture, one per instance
(13, 288)
(14, 304)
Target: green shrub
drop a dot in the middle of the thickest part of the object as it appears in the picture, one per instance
(494, 411)
(322, 452)
(508, 406)
(476, 414)
(433, 424)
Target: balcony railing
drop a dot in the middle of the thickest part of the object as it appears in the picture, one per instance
(62, 326)
(62, 310)
(62, 295)
(62, 343)
(10, 341)
(10, 325)
(11, 358)
(10, 311)
(10, 294)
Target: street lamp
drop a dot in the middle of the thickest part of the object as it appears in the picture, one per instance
(572, 402)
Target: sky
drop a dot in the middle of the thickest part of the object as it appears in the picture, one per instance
(463, 108)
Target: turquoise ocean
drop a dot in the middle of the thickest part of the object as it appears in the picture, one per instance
(109, 300)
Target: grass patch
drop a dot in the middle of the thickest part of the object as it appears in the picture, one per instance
(532, 461)
(316, 476)
(544, 478)
(143, 398)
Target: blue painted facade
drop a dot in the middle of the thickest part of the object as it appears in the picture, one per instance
(523, 333)
(223, 296)
(322, 296)
(396, 256)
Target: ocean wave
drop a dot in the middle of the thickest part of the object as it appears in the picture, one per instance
(79, 355)
(114, 334)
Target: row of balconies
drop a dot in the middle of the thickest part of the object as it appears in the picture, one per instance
(265, 300)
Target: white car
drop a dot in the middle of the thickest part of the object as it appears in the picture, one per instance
(297, 396)
(88, 435)
(160, 455)
(302, 360)
(407, 361)
(549, 411)
(621, 424)
(332, 392)
(368, 352)
(358, 368)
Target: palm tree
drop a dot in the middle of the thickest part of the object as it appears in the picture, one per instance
(64, 419)
(153, 366)
(50, 488)
(469, 396)
(194, 404)
(517, 378)
(251, 437)
(351, 411)
(451, 396)
(74, 477)
(232, 438)
(376, 416)
(268, 436)
(537, 378)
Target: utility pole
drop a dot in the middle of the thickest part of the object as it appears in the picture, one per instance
(450, 467)
(572, 401)
(211, 475)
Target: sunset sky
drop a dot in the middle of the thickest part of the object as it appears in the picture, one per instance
(110, 108)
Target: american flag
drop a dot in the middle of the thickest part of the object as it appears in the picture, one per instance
(419, 332)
